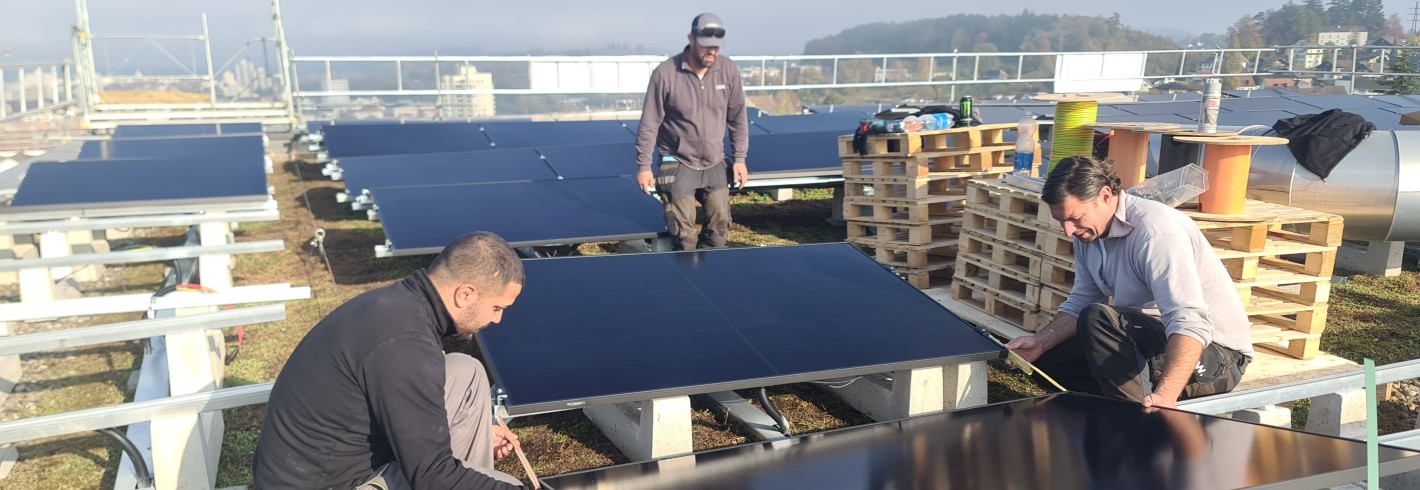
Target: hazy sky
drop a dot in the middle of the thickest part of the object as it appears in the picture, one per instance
(38, 30)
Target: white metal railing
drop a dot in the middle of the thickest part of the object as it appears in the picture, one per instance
(34, 88)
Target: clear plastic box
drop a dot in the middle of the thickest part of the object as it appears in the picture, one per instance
(1175, 187)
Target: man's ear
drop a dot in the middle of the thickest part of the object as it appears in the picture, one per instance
(465, 295)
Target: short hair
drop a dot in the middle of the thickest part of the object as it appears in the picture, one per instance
(1079, 177)
(480, 258)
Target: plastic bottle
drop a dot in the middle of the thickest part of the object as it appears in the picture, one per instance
(944, 120)
(911, 124)
(929, 123)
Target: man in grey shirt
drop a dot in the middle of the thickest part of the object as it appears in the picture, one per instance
(1176, 328)
(692, 98)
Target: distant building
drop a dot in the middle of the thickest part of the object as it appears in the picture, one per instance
(336, 85)
(466, 106)
(1356, 36)
(1303, 59)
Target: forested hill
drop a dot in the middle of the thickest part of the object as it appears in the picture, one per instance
(1026, 31)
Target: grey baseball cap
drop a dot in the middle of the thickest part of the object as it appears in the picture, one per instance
(708, 30)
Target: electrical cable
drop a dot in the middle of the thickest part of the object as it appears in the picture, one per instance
(774, 413)
(140, 466)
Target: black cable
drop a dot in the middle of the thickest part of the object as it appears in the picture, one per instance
(774, 413)
(140, 466)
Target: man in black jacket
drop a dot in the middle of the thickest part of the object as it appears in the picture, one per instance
(369, 400)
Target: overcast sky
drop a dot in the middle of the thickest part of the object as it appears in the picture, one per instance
(38, 30)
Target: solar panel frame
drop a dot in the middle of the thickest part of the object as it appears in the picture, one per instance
(865, 320)
(421, 220)
(525, 134)
(794, 155)
(360, 140)
(195, 148)
(1265, 104)
(1053, 431)
(591, 161)
(138, 186)
(1344, 102)
(169, 130)
(842, 122)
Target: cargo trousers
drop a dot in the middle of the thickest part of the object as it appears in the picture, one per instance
(681, 188)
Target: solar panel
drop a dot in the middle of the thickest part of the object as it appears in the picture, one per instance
(1265, 92)
(1325, 102)
(1086, 442)
(422, 220)
(1383, 119)
(139, 182)
(360, 140)
(842, 122)
(1049, 110)
(1150, 108)
(468, 167)
(523, 134)
(620, 328)
(1153, 118)
(794, 152)
(996, 114)
(1400, 100)
(1265, 104)
(589, 161)
(1170, 97)
(193, 148)
(864, 109)
(165, 130)
(1264, 118)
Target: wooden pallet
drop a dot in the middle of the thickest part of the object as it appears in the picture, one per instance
(1057, 273)
(1054, 244)
(920, 258)
(927, 278)
(943, 230)
(1314, 260)
(983, 159)
(1007, 199)
(1019, 260)
(908, 144)
(1051, 298)
(999, 227)
(1002, 282)
(902, 211)
(978, 295)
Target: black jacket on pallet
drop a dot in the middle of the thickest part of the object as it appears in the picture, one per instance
(1320, 141)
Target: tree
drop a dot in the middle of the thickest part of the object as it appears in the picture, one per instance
(1400, 85)
(1315, 6)
(1341, 13)
(1394, 29)
(1370, 15)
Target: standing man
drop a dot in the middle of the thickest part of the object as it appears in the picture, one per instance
(1176, 328)
(692, 98)
(368, 399)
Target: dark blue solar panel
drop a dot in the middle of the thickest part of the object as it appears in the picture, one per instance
(106, 183)
(523, 134)
(588, 161)
(1086, 442)
(195, 148)
(1266, 92)
(842, 122)
(1325, 102)
(468, 167)
(1383, 119)
(865, 109)
(994, 114)
(793, 152)
(360, 140)
(1170, 97)
(1400, 100)
(1264, 104)
(425, 219)
(1263, 118)
(1149, 108)
(164, 130)
(590, 330)
(1153, 118)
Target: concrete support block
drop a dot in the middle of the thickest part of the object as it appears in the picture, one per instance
(1269, 415)
(8, 456)
(633, 246)
(662, 244)
(835, 218)
(10, 369)
(1339, 414)
(646, 430)
(918, 391)
(1374, 258)
(55, 244)
(783, 194)
(36, 286)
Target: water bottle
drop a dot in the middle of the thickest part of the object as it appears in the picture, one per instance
(929, 123)
(944, 120)
(911, 124)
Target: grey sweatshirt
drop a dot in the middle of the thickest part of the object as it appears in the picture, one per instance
(685, 116)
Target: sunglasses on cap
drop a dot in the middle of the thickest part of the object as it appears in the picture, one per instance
(710, 32)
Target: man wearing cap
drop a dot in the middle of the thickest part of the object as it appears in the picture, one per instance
(692, 98)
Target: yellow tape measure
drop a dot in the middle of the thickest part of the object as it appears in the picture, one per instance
(1024, 365)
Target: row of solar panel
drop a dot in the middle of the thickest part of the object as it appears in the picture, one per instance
(170, 173)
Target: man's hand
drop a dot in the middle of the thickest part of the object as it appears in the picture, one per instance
(1028, 347)
(645, 181)
(741, 174)
(504, 441)
(1155, 401)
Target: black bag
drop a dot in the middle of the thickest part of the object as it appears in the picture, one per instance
(1320, 141)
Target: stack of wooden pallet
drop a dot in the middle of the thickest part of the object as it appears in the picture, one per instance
(1017, 263)
(905, 196)
(1003, 258)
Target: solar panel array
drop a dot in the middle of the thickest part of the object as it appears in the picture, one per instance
(1241, 108)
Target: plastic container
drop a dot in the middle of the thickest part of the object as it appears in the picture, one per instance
(911, 124)
(1175, 187)
(929, 123)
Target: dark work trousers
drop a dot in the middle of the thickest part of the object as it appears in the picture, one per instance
(681, 187)
(1119, 353)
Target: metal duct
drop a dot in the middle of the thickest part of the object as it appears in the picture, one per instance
(1376, 188)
